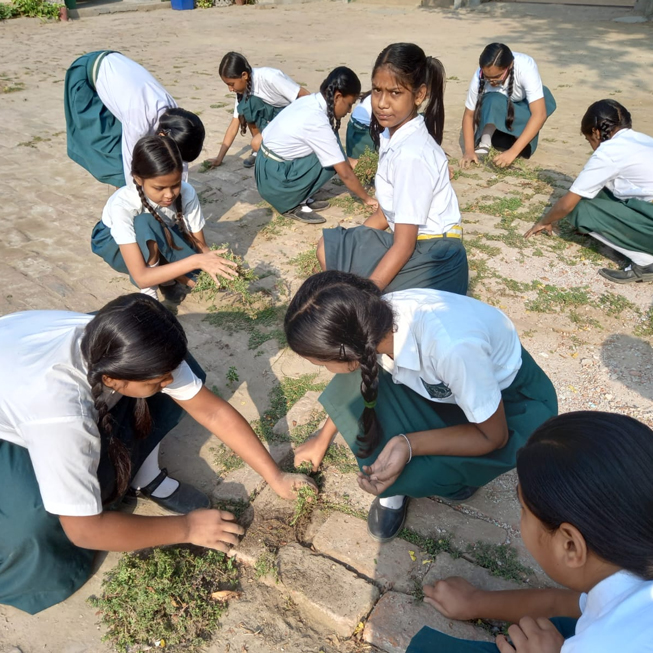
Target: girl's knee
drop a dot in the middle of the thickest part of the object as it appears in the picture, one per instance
(321, 255)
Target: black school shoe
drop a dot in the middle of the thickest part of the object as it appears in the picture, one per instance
(183, 500)
(502, 142)
(176, 292)
(637, 273)
(318, 205)
(309, 217)
(250, 161)
(384, 524)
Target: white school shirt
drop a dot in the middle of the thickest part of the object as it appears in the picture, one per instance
(623, 164)
(135, 98)
(125, 204)
(363, 111)
(412, 180)
(453, 349)
(617, 616)
(46, 405)
(527, 83)
(303, 128)
(273, 87)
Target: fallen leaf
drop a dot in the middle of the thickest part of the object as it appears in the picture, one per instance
(412, 555)
(225, 595)
(426, 562)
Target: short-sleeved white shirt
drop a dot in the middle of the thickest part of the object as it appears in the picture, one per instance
(623, 164)
(125, 204)
(135, 98)
(527, 84)
(47, 407)
(453, 349)
(363, 111)
(273, 87)
(617, 615)
(412, 181)
(303, 128)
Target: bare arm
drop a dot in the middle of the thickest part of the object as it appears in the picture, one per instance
(377, 220)
(346, 173)
(201, 241)
(469, 155)
(561, 209)
(403, 246)
(302, 92)
(533, 126)
(227, 141)
(314, 449)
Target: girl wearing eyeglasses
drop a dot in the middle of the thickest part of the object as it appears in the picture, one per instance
(506, 107)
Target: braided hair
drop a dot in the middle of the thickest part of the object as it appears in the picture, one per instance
(185, 129)
(341, 80)
(412, 70)
(606, 116)
(501, 56)
(338, 316)
(232, 66)
(132, 338)
(156, 156)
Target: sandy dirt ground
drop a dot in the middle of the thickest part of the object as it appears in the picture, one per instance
(590, 336)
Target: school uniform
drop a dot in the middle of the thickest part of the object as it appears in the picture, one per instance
(527, 88)
(53, 460)
(412, 187)
(617, 615)
(298, 153)
(124, 221)
(455, 359)
(616, 185)
(358, 130)
(272, 91)
(110, 103)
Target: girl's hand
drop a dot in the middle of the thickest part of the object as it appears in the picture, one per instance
(371, 203)
(214, 529)
(531, 636)
(537, 227)
(215, 265)
(386, 468)
(311, 451)
(215, 162)
(454, 597)
(468, 159)
(451, 173)
(288, 484)
(504, 159)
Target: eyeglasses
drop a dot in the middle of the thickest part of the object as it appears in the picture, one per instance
(496, 78)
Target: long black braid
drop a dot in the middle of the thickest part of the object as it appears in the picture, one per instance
(500, 55)
(232, 66)
(147, 206)
(510, 114)
(341, 80)
(608, 117)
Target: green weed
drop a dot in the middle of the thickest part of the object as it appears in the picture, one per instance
(365, 169)
(483, 247)
(276, 225)
(616, 304)
(350, 205)
(266, 565)
(428, 544)
(551, 299)
(232, 376)
(305, 503)
(645, 327)
(219, 105)
(205, 166)
(33, 142)
(306, 263)
(226, 459)
(500, 560)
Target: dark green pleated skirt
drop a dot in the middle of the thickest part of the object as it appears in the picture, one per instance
(147, 228)
(358, 139)
(494, 111)
(437, 263)
(628, 224)
(428, 640)
(93, 133)
(39, 565)
(257, 112)
(528, 402)
(286, 184)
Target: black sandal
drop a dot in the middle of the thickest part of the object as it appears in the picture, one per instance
(183, 500)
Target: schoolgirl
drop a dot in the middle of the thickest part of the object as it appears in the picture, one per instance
(110, 103)
(300, 150)
(359, 138)
(506, 107)
(261, 93)
(586, 493)
(153, 230)
(433, 391)
(82, 414)
(612, 198)
(417, 202)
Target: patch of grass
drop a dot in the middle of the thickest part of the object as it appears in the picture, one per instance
(226, 459)
(645, 327)
(481, 246)
(219, 105)
(350, 205)
(232, 376)
(615, 304)
(165, 596)
(305, 503)
(205, 166)
(551, 299)
(306, 263)
(428, 544)
(13, 88)
(418, 590)
(500, 560)
(266, 565)
(276, 226)
(341, 458)
(33, 141)
(365, 169)
(584, 321)
(236, 507)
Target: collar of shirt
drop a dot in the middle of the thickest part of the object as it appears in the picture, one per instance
(389, 143)
(321, 102)
(605, 596)
(405, 345)
(619, 134)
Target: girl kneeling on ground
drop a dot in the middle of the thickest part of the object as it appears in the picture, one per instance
(261, 93)
(433, 391)
(153, 230)
(417, 202)
(300, 150)
(359, 138)
(506, 107)
(82, 414)
(586, 492)
(612, 198)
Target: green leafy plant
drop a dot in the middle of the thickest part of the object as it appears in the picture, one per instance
(171, 597)
(30, 9)
(306, 263)
(232, 376)
(500, 560)
(366, 167)
(204, 4)
(304, 504)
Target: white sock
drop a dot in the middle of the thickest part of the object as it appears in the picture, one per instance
(151, 291)
(640, 258)
(393, 502)
(148, 471)
(306, 208)
(486, 136)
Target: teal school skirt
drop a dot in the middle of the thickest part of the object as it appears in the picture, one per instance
(626, 223)
(147, 228)
(257, 112)
(358, 139)
(93, 133)
(494, 111)
(285, 184)
(39, 565)
(528, 402)
(437, 263)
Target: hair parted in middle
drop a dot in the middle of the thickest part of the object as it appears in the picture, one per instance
(343, 80)
(232, 66)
